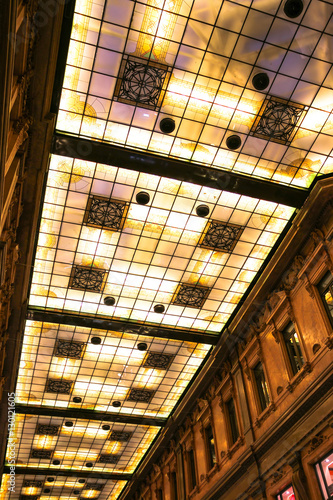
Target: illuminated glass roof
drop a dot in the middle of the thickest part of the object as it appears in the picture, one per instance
(132, 64)
(137, 271)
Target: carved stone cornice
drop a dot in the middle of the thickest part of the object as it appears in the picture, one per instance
(291, 276)
(316, 442)
(278, 475)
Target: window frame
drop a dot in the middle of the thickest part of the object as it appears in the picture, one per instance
(261, 396)
(232, 438)
(322, 290)
(208, 446)
(322, 479)
(191, 469)
(289, 331)
(279, 495)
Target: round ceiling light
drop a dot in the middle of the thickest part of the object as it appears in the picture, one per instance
(142, 198)
(76, 492)
(293, 8)
(116, 404)
(167, 125)
(142, 346)
(89, 464)
(77, 399)
(81, 481)
(96, 340)
(109, 301)
(260, 81)
(159, 308)
(233, 142)
(105, 427)
(56, 462)
(47, 490)
(69, 423)
(50, 479)
(202, 210)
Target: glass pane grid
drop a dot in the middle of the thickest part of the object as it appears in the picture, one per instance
(158, 246)
(52, 487)
(103, 374)
(85, 442)
(212, 54)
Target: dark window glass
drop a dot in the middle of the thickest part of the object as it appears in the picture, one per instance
(191, 464)
(210, 446)
(293, 348)
(287, 494)
(174, 486)
(324, 470)
(261, 386)
(232, 420)
(325, 288)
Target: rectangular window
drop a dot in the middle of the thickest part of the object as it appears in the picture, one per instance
(211, 455)
(234, 432)
(261, 386)
(174, 488)
(191, 470)
(293, 347)
(325, 288)
(287, 494)
(324, 470)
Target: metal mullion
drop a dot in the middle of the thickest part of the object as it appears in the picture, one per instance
(178, 169)
(114, 476)
(83, 414)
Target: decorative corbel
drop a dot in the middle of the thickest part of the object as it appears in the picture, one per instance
(275, 332)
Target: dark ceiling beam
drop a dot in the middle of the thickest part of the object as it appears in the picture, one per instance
(121, 326)
(36, 471)
(109, 154)
(73, 413)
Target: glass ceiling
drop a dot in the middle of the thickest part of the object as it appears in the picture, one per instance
(131, 64)
(142, 249)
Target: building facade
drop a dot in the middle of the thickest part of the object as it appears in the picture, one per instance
(166, 255)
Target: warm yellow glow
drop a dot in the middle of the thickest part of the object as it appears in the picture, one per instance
(31, 490)
(47, 442)
(81, 454)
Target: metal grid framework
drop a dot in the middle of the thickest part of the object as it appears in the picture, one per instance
(84, 446)
(46, 484)
(277, 120)
(158, 248)
(105, 213)
(113, 371)
(141, 82)
(213, 52)
(128, 68)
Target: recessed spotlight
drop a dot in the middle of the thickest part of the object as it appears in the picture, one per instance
(56, 462)
(95, 340)
(76, 492)
(159, 308)
(89, 464)
(293, 8)
(69, 423)
(77, 399)
(105, 427)
(81, 481)
(109, 301)
(116, 404)
(142, 198)
(50, 479)
(167, 125)
(233, 142)
(47, 490)
(142, 346)
(260, 81)
(202, 210)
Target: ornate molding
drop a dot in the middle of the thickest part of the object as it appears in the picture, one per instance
(265, 414)
(240, 441)
(291, 276)
(316, 442)
(329, 342)
(306, 368)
